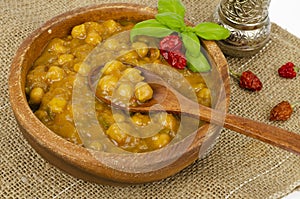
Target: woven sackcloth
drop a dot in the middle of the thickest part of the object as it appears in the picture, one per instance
(237, 167)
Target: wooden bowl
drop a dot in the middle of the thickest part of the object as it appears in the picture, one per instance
(77, 160)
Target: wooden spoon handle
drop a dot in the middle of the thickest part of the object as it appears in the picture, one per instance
(269, 134)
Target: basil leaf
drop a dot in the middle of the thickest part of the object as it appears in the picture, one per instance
(174, 6)
(211, 31)
(151, 28)
(171, 20)
(197, 64)
(191, 43)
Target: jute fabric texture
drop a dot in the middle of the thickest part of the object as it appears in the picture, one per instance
(237, 167)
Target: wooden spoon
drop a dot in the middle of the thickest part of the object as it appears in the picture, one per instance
(168, 99)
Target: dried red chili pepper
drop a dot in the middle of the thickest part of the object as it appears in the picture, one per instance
(171, 43)
(248, 80)
(288, 70)
(177, 60)
(170, 49)
(282, 111)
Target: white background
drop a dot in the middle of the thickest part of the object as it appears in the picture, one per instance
(286, 13)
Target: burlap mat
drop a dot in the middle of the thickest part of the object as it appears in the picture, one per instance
(238, 167)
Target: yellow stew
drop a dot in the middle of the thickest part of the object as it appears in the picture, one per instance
(50, 81)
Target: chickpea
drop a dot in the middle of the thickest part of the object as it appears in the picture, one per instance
(42, 115)
(154, 54)
(57, 46)
(55, 73)
(199, 87)
(143, 92)
(204, 97)
(141, 48)
(160, 140)
(36, 78)
(111, 44)
(171, 123)
(111, 26)
(79, 32)
(133, 75)
(93, 38)
(125, 91)
(36, 95)
(94, 26)
(112, 67)
(66, 129)
(130, 57)
(204, 93)
(57, 105)
(140, 119)
(82, 68)
(107, 84)
(65, 58)
(115, 133)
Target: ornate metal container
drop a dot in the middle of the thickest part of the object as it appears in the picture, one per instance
(249, 24)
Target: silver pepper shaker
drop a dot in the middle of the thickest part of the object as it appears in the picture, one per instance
(249, 23)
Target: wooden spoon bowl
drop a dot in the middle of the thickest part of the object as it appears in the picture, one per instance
(77, 160)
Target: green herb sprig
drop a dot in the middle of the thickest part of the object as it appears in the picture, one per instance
(170, 19)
